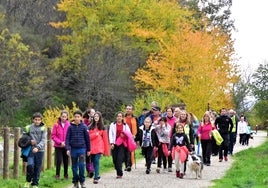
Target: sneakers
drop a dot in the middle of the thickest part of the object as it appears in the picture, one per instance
(226, 158)
(83, 185)
(27, 185)
(177, 174)
(75, 185)
(118, 177)
(158, 170)
(181, 175)
(169, 169)
(220, 160)
(147, 171)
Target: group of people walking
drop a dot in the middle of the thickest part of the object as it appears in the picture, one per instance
(166, 136)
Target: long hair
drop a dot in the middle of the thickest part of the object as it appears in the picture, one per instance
(99, 124)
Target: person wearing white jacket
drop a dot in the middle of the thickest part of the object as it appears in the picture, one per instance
(242, 130)
(118, 151)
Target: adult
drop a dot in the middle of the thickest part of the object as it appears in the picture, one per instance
(132, 122)
(58, 135)
(171, 121)
(224, 125)
(177, 112)
(88, 116)
(233, 133)
(215, 147)
(118, 150)
(242, 128)
(204, 134)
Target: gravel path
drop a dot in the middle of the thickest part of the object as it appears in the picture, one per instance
(138, 179)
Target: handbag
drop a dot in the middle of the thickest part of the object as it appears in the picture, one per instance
(217, 137)
(90, 166)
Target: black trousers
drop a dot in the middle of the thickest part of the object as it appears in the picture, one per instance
(223, 150)
(118, 154)
(147, 152)
(206, 150)
(61, 157)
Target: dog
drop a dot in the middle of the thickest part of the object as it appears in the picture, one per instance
(195, 164)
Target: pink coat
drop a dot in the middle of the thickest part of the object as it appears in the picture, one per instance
(59, 133)
(127, 140)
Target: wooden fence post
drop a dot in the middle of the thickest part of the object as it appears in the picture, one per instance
(49, 148)
(6, 153)
(16, 153)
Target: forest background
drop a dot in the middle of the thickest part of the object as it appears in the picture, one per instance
(106, 54)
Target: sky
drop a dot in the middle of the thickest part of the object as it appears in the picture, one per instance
(251, 37)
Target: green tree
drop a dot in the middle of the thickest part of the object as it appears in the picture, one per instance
(260, 82)
(16, 73)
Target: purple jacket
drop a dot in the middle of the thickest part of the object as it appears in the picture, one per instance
(59, 132)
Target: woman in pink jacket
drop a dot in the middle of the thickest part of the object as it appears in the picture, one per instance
(58, 135)
(204, 133)
(99, 143)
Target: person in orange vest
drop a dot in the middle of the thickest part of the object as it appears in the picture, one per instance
(132, 122)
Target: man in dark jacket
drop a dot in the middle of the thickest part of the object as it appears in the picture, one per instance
(225, 125)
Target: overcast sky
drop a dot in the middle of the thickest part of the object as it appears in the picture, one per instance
(251, 38)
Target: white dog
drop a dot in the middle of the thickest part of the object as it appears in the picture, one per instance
(195, 164)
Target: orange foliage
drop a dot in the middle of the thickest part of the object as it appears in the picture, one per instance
(194, 65)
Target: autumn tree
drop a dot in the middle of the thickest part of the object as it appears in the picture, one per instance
(102, 47)
(194, 65)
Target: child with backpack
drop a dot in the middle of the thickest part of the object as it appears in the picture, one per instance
(38, 133)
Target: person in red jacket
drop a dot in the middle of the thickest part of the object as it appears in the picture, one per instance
(99, 143)
(58, 135)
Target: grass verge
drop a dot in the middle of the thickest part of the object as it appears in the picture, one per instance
(249, 169)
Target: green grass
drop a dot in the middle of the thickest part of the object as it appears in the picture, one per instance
(47, 177)
(249, 170)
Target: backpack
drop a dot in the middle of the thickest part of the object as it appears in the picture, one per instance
(24, 141)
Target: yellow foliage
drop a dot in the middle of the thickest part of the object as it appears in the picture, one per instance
(51, 115)
(194, 66)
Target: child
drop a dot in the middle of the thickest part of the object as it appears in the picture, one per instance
(58, 135)
(162, 141)
(147, 142)
(99, 143)
(78, 146)
(179, 145)
(38, 134)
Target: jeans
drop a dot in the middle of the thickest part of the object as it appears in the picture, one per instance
(34, 165)
(95, 158)
(78, 156)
